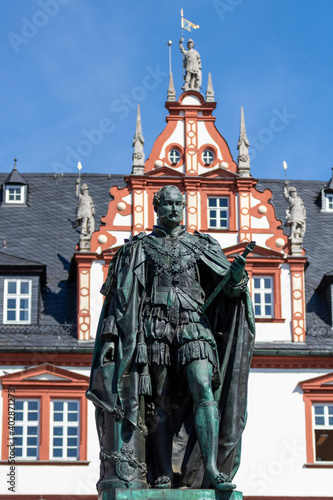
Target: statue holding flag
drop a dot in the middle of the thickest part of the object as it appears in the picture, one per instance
(192, 61)
(192, 65)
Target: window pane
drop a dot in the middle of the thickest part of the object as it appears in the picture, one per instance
(57, 452)
(268, 298)
(257, 310)
(32, 405)
(11, 303)
(32, 431)
(18, 416)
(256, 282)
(32, 416)
(58, 405)
(57, 431)
(72, 406)
(223, 202)
(32, 441)
(268, 310)
(31, 452)
(72, 417)
(267, 282)
(319, 410)
(71, 442)
(18, 440)
(212, 202)
(72, 453)
(24, 287)
(72, 431)
(11, 287)
(324, 445)
(24, 316)
(57, 441)
(58, 417)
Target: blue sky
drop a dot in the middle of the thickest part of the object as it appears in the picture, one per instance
(71, 67)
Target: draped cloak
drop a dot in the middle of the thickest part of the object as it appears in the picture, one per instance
(232, 321)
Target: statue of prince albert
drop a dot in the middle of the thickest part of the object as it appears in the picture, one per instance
(169, 376)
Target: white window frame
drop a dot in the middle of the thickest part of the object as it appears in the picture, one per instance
(321, 427)
(329, 201)
(211, 157)
(218, 210)
(17, 296)
(65, 424)
(25, 423)
(178, 156)
(17, 187)
(261, 292)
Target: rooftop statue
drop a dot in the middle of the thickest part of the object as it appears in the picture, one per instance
(85, 212)
(172, 357)
(295, 215)
(192, 65)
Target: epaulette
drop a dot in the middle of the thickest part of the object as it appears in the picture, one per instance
(136, 237)
(206, 237)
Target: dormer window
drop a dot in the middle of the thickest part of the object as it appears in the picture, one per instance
(14, 194)
(327, 196)
(14, 189)
(17, 301)
(329, 202)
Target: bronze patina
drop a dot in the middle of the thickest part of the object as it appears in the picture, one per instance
(169, 373)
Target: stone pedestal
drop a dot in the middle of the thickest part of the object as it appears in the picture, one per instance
(160, 494)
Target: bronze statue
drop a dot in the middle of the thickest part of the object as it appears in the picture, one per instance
(169, 374)
(192, 65)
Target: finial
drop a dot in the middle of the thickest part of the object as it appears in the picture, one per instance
(138, 156)
(210, 91)
(171, 89)
(15, 160)
(243, 147)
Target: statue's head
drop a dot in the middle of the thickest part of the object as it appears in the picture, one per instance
(84, 188)
(190, 43)
(169, 205)
(292, 192)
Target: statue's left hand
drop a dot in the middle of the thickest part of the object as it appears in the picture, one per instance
(237, 268)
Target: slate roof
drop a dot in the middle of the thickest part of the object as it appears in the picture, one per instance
(15, 178)
(318, 245)
(42, 232)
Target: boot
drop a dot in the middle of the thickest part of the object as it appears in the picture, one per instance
(207, 423)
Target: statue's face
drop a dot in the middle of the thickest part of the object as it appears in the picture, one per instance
(170, 210)
(190, 45)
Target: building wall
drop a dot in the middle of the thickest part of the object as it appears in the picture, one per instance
(274, 441)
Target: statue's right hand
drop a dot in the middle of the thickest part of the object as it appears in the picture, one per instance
(107, 352)
(181, 40)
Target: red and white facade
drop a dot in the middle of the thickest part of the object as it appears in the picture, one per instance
(278, 458)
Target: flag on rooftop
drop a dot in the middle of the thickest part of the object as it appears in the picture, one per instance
(187, 25)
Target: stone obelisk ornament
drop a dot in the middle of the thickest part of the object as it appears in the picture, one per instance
(169, 373)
